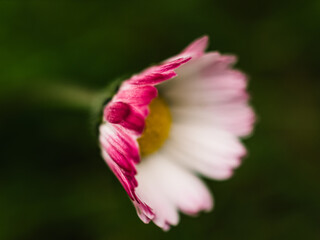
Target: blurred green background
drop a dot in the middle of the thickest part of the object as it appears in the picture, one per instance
(55, 185)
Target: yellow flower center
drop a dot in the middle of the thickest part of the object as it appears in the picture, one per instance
(157, 127)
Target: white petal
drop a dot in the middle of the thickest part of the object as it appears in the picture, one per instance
(206, 150)
(150, 189)
(236, 118)
(209, 91)
(181, 187)
(209, 166)
(218, 140)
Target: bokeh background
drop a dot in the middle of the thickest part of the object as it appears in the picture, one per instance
(54, 184)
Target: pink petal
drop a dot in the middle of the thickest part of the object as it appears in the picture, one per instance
(125, 115)
(152, 78)
(197, 47)
(137, 95)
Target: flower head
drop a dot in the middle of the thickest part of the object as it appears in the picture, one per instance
(171, 122)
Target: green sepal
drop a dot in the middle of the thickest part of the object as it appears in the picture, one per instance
(100, 101)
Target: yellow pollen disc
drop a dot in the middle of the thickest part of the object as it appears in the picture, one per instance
(157, 127)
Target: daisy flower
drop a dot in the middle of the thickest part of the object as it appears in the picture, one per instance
(173, 122)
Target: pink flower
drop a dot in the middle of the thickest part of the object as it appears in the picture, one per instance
(172, 122)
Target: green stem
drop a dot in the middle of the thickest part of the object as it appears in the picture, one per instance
(63, 95)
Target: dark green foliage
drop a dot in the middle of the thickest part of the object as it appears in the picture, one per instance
(55, 185)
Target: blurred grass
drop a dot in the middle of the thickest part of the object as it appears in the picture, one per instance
(54, 184)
